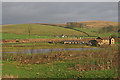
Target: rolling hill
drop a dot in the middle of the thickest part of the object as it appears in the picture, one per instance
(38, 29)
(44, 30)
(87, 24)
(99, 23)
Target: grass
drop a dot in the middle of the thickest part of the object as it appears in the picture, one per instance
(21, 31)
(37, 71)
(40, 30)
(90, 31)
(59, 70)
(99, 24)
(66, 64)
(95, 32)
(16, 36)
(100, 63)
(23, 36)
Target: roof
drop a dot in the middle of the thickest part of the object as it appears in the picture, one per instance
(102, 38)
(92, 41)
(105, 38)
(70, 41)
(99, 40)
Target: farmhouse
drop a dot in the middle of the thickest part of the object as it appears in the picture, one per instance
(105, 40)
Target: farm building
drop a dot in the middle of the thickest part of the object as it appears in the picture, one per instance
(105, 40)
(71, 42)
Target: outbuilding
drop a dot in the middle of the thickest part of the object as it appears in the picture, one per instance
(71, 42)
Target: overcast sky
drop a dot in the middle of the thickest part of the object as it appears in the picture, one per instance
(58, 12)
(60, 0)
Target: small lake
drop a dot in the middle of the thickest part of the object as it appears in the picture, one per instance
(50, 50)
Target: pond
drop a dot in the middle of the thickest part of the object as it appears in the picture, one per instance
(50, 50)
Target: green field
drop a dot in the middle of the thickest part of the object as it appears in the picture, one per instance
(58, 70)
(22, 36)
(22, 31)
(95, 32)
(66, 64)
(98, 63)
(39, 30)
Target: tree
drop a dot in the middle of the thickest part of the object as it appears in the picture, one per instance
(107, 29)
(29, 30)
(114, 36)
(81, 25)
(94, 42)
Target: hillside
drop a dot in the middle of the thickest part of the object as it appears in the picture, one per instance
(99, 23)
(44, 30)
(95, 28)
(94, 24)
(90, 28)
(87, 24)
(38, 29)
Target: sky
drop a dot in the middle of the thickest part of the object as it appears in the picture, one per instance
(58, 12)
(60, 0)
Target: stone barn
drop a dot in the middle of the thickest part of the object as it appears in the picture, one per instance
(105, 40)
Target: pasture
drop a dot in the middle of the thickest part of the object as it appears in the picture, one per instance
(40, 30)
(98, 63)
(95, 32)
(65, 64)
(34, 31)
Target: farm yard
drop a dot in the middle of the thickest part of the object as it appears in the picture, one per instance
(35, 51)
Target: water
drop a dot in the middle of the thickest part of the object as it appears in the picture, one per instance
(50, 50)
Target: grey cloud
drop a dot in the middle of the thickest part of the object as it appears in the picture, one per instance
(56, 12)
(60, 0)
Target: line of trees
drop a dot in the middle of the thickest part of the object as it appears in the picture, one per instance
(108, 29)
(75, 24)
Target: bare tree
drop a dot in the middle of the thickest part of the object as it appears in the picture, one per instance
(29, 30)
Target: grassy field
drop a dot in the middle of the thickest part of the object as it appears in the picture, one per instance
(65, 64)
(22, 36)
(40, 30)
(88, 24)
(52, 70)
(99, 63)
(95, 32)
(21, 31)
(99, 24)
